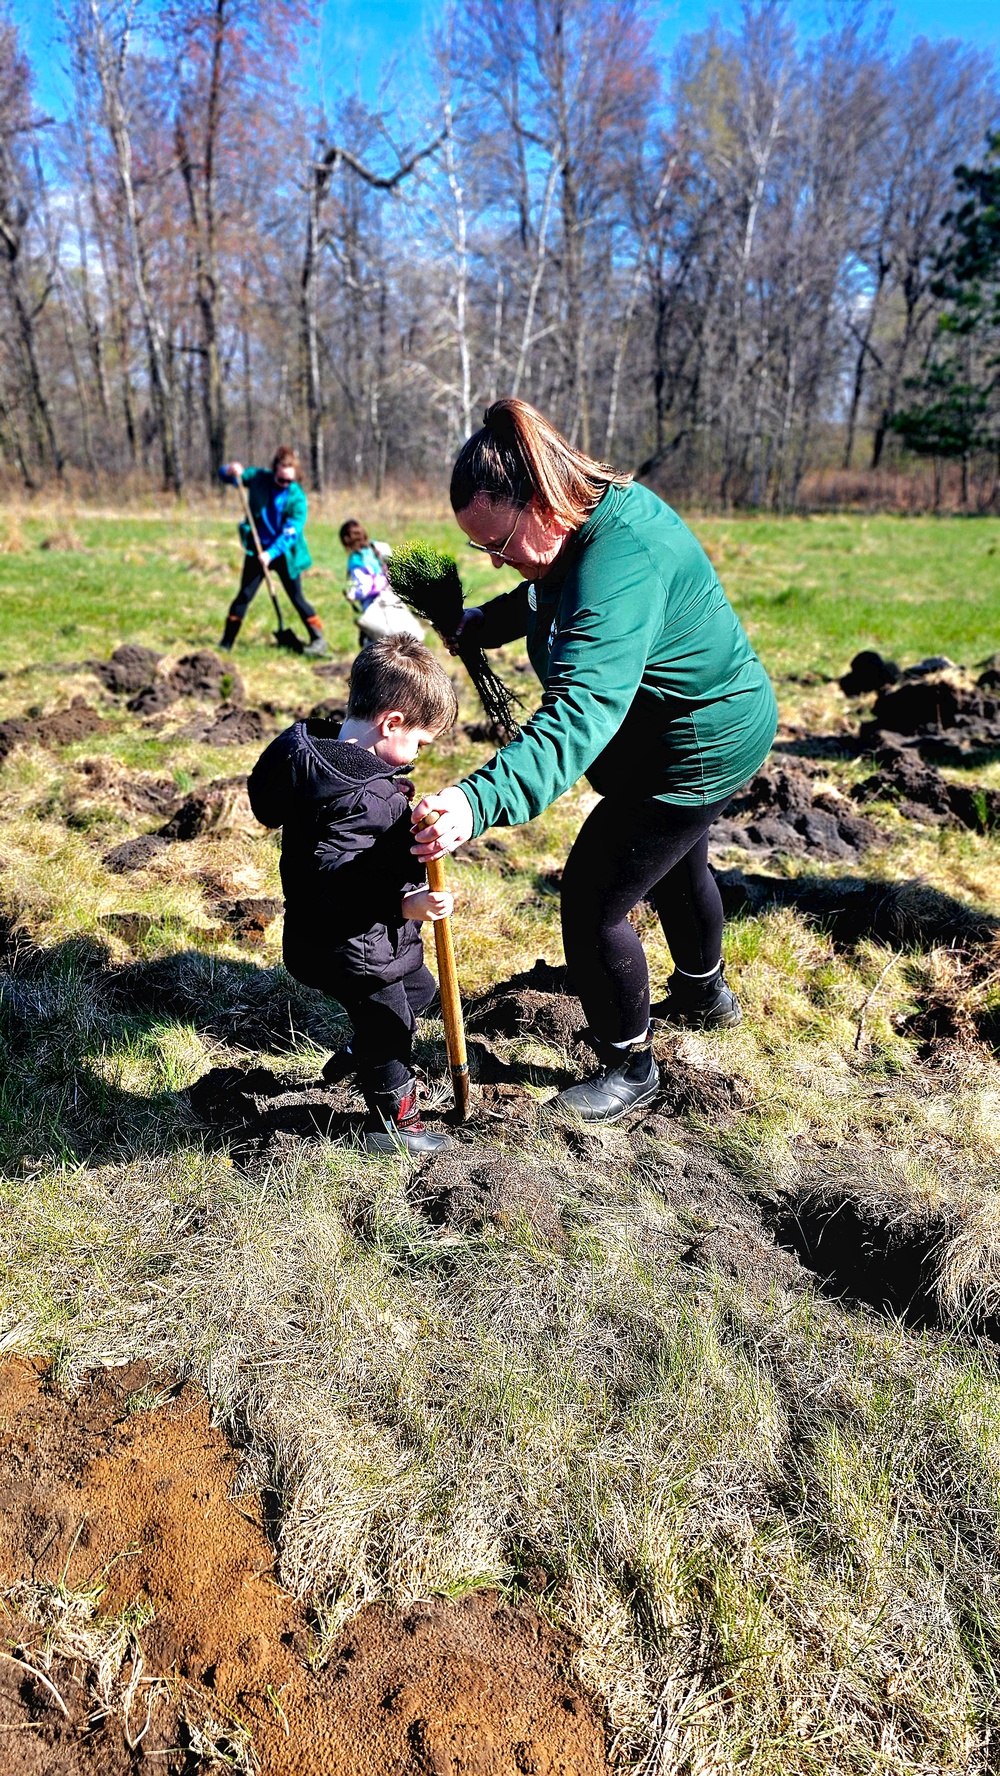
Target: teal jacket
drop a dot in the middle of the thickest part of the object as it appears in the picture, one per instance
(651, 685)
(280, 516)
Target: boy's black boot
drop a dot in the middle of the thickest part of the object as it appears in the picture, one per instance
(231, 631)
(393, 1123)
(699, 1004)
(626, 1079)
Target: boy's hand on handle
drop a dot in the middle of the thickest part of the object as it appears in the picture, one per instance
(441, 822)
(234, 471)
(428, 903)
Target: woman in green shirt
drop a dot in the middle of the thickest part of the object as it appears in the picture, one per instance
(651, 690)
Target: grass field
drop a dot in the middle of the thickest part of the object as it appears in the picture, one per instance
(768, 1512)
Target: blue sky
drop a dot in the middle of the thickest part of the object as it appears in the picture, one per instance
(359, 41)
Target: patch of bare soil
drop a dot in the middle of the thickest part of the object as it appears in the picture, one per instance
(61, 728)
(232, 726)
(102, 781)
(533, 1003)
(250, 918)
(785, 810)
(101, 1488)
(922, 793)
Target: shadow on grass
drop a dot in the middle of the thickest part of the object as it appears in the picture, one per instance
(910, 915)
(72, 1024)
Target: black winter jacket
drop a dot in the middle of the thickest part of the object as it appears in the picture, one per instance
(345, 857)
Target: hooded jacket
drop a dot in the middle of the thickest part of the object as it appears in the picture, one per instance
(345, 857)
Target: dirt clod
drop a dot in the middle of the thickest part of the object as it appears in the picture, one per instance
(868, 672)
(535, 1003)
(102, 1485)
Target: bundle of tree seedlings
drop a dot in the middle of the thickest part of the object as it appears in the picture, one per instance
(428, 582)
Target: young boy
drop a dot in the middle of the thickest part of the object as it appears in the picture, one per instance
(354, 897)
(380, 612)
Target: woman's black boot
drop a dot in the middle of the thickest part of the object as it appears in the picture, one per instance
(626, 1079)
(695, 1004)
(393, 1123)
(230, 632)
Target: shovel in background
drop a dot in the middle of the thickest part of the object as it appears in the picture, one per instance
(451, 1003)
(284, 638)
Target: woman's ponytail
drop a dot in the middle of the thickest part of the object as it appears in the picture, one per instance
(517, 456)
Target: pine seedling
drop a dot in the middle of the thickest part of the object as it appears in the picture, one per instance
(429, 584)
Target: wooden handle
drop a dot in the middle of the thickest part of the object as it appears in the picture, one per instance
(451, 1003)
(256, 539)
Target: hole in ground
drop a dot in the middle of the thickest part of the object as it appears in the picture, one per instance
(878, 1251)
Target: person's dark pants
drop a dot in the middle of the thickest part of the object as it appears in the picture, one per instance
(251, 581)
(385, 1021)
(624, 853)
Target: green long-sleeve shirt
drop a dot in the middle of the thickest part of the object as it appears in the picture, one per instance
(651, 687)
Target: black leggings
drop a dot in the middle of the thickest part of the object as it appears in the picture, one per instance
(385, 1021)
(250, 583)
(624, 853)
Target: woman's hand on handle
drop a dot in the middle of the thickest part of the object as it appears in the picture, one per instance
(444, 820)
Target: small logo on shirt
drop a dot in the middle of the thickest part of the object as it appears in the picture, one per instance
(532, 598)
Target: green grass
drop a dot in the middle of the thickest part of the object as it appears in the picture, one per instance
(770, 1518)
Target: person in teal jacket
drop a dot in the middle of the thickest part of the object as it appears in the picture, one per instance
(652, 691)
(279, 509)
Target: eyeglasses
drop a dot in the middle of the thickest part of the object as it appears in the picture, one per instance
(491, 548)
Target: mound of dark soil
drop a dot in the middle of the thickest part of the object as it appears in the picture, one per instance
(128, 670)
(332, 709)
(261, 1102)
(926, 705)
(103, 1484)
(785, 810)
(60, 728)
(489, 851)
(133, 854)
(202, 675)
(904, 914)
(718, 1224)
(470, 1188)
(233, 726)
(251, 918)
(689, 1090)
(923, 793)
(534, 1003)
(218, 807)
(868, 672)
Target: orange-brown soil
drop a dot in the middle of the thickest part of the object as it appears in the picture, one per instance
(102, 1487)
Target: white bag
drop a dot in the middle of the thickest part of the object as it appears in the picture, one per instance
(388, 615)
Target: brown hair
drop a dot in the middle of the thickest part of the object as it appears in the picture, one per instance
(284, 454)
(518, 456)
(398, 672)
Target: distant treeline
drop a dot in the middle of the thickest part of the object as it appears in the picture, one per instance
(764, 258)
